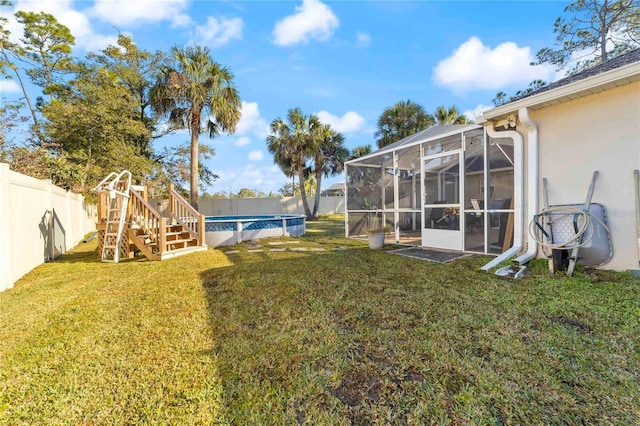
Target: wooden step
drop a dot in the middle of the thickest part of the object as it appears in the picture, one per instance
(179, 241)
(169, 234)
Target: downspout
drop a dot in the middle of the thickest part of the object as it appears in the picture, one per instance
(518, 198)
(346, 203)
(532, 180)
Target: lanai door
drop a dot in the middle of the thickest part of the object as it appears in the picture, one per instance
(442, 186)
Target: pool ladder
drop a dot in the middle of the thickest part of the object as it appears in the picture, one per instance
(116, 187)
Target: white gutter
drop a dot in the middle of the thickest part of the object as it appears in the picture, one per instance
(518, 198)
(532, 180)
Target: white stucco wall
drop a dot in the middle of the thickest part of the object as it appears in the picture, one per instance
(597, 132)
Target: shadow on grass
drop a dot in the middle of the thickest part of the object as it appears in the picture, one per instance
(82, 253)
(88, 253)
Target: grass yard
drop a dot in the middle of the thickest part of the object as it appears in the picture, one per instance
(316, 337)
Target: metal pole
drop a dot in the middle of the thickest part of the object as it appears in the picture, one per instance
(573, 257)
(636, 181)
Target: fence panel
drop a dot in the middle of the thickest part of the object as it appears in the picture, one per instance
(267, 205)
(38, 222)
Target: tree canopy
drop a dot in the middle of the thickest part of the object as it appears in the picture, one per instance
(93, 121)
(328, 158)
(405, 118)
(301, 145)
(43, 54)
(94, 114)
(360, 151)
(137, 71)
(400, 120)
(193, 85)
(592, 32)
(451, 115)
(291, 142)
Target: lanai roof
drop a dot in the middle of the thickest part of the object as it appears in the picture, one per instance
(423, 135)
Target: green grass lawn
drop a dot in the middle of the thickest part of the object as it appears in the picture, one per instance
(354, 336)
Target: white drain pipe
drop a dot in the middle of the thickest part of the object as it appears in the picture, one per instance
(518, 198)
(532, 180)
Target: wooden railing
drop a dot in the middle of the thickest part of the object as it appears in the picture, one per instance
(148, 220)
(183, 213)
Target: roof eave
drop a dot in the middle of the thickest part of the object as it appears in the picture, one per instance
(571, 90)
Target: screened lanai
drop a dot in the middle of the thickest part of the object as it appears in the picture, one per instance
(447, 187)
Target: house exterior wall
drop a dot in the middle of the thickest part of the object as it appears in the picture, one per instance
(597, 132)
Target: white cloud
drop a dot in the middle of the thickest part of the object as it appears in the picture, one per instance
(93, 42)
(251, 121)
(8, 86)
(181, 20)
(349, 122)
(312, 20)
(256, 155)
(263, 178)
(243, 141)
(476, 66)
(477, 112)
(363, 39)
(140, 12)
(77, 22)
(216, 33)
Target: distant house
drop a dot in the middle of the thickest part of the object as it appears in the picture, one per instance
(335, 190)
(476, 188)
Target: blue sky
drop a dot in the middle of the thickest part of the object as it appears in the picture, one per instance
(345, 60)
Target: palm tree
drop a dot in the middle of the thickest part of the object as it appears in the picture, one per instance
(328, 159)
(360, 151)
(401, 120)
(451, 115)
(291, 142)
(286, 165)
(195, 84)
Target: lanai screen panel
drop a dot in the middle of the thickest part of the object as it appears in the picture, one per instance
(500, 193)
(369, 190)
(408, 172)
(370, 183)
(474, 166)
(409, 192)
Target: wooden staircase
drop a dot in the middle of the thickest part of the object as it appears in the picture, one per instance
(155, 236)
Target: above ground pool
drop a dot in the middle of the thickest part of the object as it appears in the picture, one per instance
(229, 230)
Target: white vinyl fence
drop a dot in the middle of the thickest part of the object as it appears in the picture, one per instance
(249, 206)
(38, 222)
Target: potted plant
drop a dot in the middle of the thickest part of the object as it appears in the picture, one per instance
(376, 232)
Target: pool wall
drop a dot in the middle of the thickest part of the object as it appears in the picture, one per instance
(229, 230)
